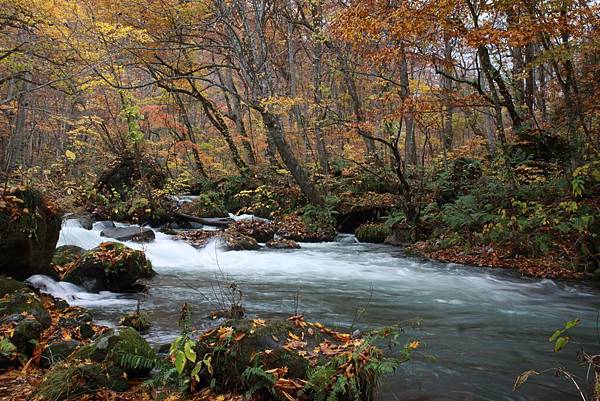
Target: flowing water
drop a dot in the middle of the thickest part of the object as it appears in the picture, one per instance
(484, 326)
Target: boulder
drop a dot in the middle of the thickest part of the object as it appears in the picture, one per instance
(110, 266)
(57, 351)
(137, 234)
(29, 229)
(101, 225)
(293, 228)
(138, 321)
(240, 242)
(18, 301)
(80, 377)
(66, 254)
(27, 333)
(123, 348)
(261, 230)
(271, 336)
(282, 244)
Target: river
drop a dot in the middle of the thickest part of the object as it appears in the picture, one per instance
(484, 326)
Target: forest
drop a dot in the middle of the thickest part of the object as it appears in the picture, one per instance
(299, 200)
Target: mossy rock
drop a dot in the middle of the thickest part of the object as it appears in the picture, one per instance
(17, 301)
(123, 348)
(240, 242)
(138, 321)
(231, 357)
(281, 243)
(260, 230)
(373, 233)
(66, 254)
(110, 266)
(293, 228)
(27, 241)
(57, 351)
(76, 378)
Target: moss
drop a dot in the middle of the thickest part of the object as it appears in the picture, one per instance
(208, 204)
(138, 321)
(70, 379)
(29, 229)
(66, 254)
(110, 266)
(17, 298)
(373, 233)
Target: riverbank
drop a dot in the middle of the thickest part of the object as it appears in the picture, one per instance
(549, 266)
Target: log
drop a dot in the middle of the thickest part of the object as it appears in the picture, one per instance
(220, 222)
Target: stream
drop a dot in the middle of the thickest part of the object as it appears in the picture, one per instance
(484, 326)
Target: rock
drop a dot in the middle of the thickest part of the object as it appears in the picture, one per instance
(27, 333)
(119, 348)
(29, 229)
(83, 220)
(57, 351)
(250, 351)
(137, 234)
(260, 230)
(139, 321)
(293, 228)
(110, 266)
(18, 299)
(240, 243)
(86, 331)
(282, 244)
(199, 238)
(80, 377)
(373, 233)
(401, 234)
(101, 225)
(66, 254)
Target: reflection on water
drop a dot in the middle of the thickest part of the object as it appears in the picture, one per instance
(483, 326)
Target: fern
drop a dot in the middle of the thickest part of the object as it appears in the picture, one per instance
(132, 353)
(259, 378)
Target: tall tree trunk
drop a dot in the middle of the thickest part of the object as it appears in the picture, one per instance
(190, 133)
(275, 132)
(320, 111)
(17, 138)
(357, 108)
(448, 88)
(236, 111)
(410, 145)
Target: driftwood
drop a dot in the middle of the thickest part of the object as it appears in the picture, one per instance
(220, 222)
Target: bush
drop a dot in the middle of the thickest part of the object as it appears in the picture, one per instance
(208, 204)
(373, 232)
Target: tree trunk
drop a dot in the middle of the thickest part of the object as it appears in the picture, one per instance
(448, 87)
(410, 142)
(320, 111)
(275, 132)
(357, 108)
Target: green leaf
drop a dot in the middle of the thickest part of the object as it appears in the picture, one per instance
(196, 370)
(555, 336)
(523, 377)
(560, 343)
(572, 323)
(175, 345)
(207, 361)
(180, 361)
(189, 351)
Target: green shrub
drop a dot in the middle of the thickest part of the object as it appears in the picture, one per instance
(373, 233)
